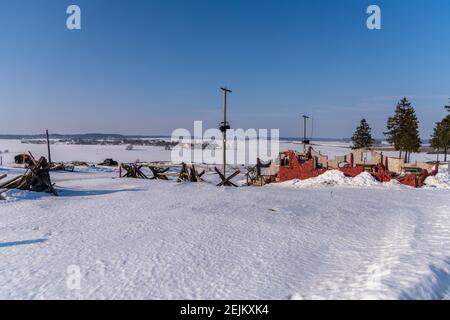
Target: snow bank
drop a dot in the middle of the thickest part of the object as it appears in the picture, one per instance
(329, 178)
(440, 181)
(332, 178)
(364, 179)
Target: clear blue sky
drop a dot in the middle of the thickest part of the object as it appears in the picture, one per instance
(148, 67)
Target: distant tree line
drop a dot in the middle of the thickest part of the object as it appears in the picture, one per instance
(403, 132)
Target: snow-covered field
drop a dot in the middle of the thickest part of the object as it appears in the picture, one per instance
(98, 153)
(329, 237)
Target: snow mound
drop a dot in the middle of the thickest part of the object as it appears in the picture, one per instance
(364, 179)
(332, 178)
(329, 178)
(439, 181)
(395, 184)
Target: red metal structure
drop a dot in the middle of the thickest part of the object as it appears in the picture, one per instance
(381, 174)
(352, 171)
(349, 170)
(417, 180)
(409, 180)
(293, 167)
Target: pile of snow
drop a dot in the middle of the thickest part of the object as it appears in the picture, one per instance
(364, 179)
(440, 181)
(329, 178)
(332, 178)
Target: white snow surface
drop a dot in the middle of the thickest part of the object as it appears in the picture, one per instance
(331, 237)
(331, 178)
(441, 180)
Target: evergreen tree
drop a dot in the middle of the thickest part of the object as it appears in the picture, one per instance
(393, 128)
(435, 141)
(403, 129)
(411, 138)
(440, 139)
(445, 135)
(362, 138)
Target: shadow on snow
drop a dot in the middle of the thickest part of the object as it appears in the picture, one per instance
(434, 286)
(63, 192)
(21, 243)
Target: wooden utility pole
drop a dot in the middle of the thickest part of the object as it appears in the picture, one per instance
(48, 147)
(224, 126)
(305, 140)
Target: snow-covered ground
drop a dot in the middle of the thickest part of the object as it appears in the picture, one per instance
(328, 237)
